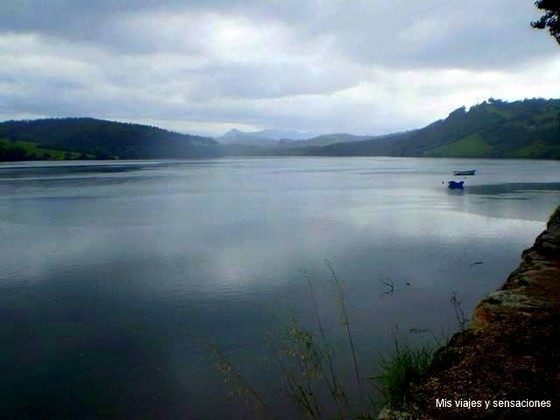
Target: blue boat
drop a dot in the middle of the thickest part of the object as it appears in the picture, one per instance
(455, 185)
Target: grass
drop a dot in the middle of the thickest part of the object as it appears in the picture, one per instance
(309, 368)
(471, 146)
(241, 389)
(312, 373)
(401, 370)
(329, 372)
(536, 150)
(408, 364)
(462, 320)
(32, 151)
(341, 300)
(304, 370)
(309, 365)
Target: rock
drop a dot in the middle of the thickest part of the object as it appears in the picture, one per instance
(510, 351)
(389, 414)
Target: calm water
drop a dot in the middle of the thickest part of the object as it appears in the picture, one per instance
(116, 278)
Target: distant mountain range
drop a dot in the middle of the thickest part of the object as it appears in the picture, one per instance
(492, 129)
(283, 139)
(235, 136)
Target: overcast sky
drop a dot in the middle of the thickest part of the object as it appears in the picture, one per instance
(356, 66)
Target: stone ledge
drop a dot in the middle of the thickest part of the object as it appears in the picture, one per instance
(509, 351)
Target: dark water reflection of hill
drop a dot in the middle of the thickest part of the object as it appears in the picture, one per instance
(521, 200)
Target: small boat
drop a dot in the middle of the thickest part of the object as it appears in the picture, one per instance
(456, 185)
(466, 172)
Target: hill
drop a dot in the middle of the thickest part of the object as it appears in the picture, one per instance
(327, 139)
(265, 138)
(492, 129)
(236, 140)
(12, 151)
(106, 139)
(287, 147)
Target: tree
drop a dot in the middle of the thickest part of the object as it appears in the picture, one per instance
(551, 18)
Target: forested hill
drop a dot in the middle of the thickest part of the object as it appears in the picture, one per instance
(106, 139)
(492, 129)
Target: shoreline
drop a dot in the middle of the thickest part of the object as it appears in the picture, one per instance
(507, 358)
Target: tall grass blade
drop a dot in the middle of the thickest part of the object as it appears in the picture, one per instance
(341, 300)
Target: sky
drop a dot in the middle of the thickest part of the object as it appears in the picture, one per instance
(316, 66)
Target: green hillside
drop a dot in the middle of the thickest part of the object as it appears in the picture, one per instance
(492, 129)
(470, 146)
(528, 129)
(11, 151)
(108, 139)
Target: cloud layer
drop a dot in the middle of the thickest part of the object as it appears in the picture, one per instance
(361, 66)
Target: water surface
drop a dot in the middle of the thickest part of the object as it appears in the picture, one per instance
(118, 278)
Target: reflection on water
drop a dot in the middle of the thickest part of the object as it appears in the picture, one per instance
(528, 201)
(512, 188)
(116, 277)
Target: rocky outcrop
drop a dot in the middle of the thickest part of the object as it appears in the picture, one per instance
(510, 352)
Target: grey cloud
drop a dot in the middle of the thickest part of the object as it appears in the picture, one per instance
(276, 81)
(398, 33)
(474, 34)
(362, 66)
